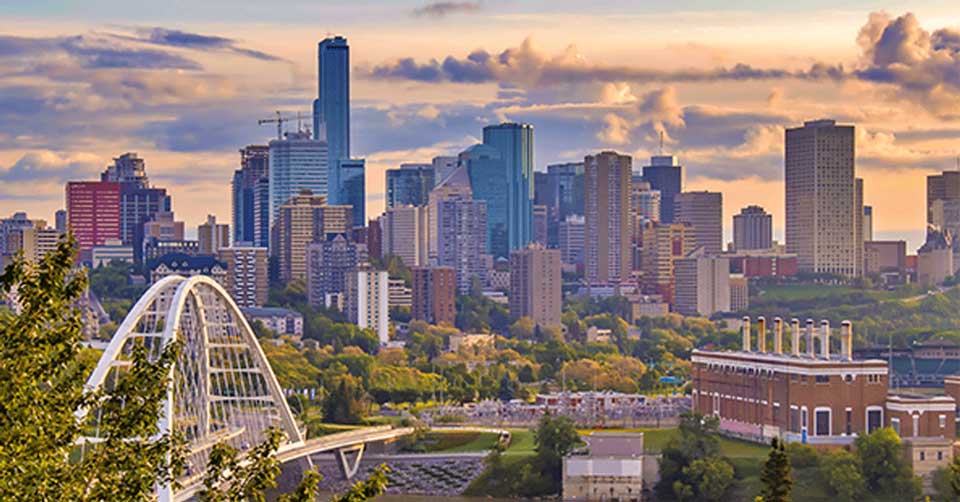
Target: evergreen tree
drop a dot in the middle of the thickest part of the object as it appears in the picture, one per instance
(776, 476)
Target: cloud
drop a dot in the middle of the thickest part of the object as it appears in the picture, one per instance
(49, 166)
(616, 130)
(93, 53)
(196, 41)
(444, 9)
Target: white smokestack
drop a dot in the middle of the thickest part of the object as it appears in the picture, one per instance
(810, 346)
(795, 337)
(777, 335)
(761, 334)
(746, 333)
(846, 340)
(825, 338)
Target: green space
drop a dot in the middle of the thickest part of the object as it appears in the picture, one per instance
(456, 442)
(521, 443)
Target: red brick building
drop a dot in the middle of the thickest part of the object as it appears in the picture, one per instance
(434, 294)
(754, 265)
(93, 212)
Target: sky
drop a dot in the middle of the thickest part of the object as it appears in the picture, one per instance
(183, 84)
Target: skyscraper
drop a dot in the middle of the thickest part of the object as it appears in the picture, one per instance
(296, 163)
(409, 185)
(663, 245)
(702, 284)
(93, 212)
(752, 229)
(212, 235)
(943, 186)
(535, 285)
(644, 200)
(367, 301)
(404, 234)
(460, 223)
(456, 186)
(434, 294)
(704, 211)
(867, 223)
(666, 175)
(821, 198)
(607, 227)
(443, 166)
(138, 201)
(60, 219)
(515, 144)
(570, 238)
(331, 110)
(305, 218)
(489, 182)
(254, 165)
(328, 265)
(348, 188)
(541, 224)
(247, 279)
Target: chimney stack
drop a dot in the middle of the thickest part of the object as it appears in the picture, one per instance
(746, 333)
(810, 335)
(846, 340)
(777, 335)
(795, 337)
(825, 340)
(761, 334)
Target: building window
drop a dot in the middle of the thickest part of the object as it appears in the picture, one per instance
(803, 419)
(821, 417)
(939, 455)
(822, 379)
(794, 420)
(874, 419)
(849, 421)
(923, 455)
(895, 424)
(943, 421)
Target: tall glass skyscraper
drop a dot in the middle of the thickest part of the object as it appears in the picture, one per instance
(297, 162)
(665, 174)
(348, 178)
(488, 180)
(410, 185)
(331, 110)
(254, 165)
(515, 144)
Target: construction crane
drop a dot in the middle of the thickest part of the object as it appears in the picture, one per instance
(280, 120)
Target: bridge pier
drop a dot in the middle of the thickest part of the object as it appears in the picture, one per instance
(348, 470)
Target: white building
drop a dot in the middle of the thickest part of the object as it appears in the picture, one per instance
(404, 231)
(297, 162)
(701, 284)
(111, 250)
(278, 320)
(368, 306)
(611, 468)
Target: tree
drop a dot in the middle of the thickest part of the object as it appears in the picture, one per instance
(522, 329)
(885, 469)
(555, 438)
(776, 476)
(707, 479)
(840, 471)
(344, 404)
(946, 481)
(696, 439)
(368, 489)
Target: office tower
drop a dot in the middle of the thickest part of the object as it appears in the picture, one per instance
(663, 245)
(443, 166)
(943, 186)
(254, 166)
(305, 218)
(331, 110)
(570, 235)
(60, 218)
(515, 144)
(752, 229)
(127, 168)
(404, 234)
(31, 237)
(138, 201)
(563, 188)
(607, 226)
(348, 188)
(375, 238)
(434, 294)
(164, 227)
(739, 293)
(645, 202)
(821, 198)
(461, 224)
(489, 182)
(212, 235)
(535, 285)
(410, 185)
(247, 278)
(328, 265)
(867, 223)
(261, 212)
(187, 266)
(702, 284)
(297, 163)
(10, 227)
(541, 223)
(704, 212)
(858, 225)
(93, 212)
(666, 175)
(884, 256)
(454, 186)
(368, 301)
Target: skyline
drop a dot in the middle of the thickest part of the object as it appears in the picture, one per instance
(186, 97)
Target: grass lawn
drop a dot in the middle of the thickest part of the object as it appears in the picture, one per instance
(458, 441)
(521, 442)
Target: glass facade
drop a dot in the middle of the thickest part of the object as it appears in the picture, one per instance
(331, 110)
(351, 185)
(515, 144)
(410, 185)
(666, 175)
(296, 163)
(488, 181)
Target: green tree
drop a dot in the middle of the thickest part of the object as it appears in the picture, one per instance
(707, 479)
(840, 471)
(776, 475)
(344, 403)
(370, 488)
(946, 482)
(555, 438)
(884, 467)
(522, 329)
(696, 439)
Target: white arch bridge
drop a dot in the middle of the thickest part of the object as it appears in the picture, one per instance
(222, 388)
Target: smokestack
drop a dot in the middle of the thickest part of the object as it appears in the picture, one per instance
(795, 337)
(761, 334)
(746, 333)
(810, 335)
(777, 335)
(825, 340)
(846, 340)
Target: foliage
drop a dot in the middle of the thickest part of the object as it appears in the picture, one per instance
(112, 281)
(885, 469)
(345, 402)
(840, 470)
(776, 476)
(479, 314)
(707, 479)
(946, 481)
(802, 456)
(370, 488)
(696, 439)
(555, 437)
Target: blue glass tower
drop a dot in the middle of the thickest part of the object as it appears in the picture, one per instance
(331, 110)
(410, 185)
(515, 144)
(665, 174)
(488, 181)
(349, 179)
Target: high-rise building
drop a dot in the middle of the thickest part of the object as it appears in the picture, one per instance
(704, 212)
(305, 218)
(247, 275)
(331, 110)
(541, 224)
(261, 212)
(297, 163)
(943, 186)
(645, 202)
(138, 201)
(515, 144)
(213, 235)
(461, 224)
(443, 166)
(489, 182)
(858, 229)
(867, 223)
(739, 293)
(31, 237)
(348, 187)
(454, 186)
(328, 265)
(821, 198)
(162, 227)
(375, 238)
(702, 284)
(60, 218)
(607, 228)
(570, 235)
(254, 166)
(535, 285)
(663, 245)
(666, 175)
(93, 212)
(127, 168)
(752, 229)
(434, 294)
(410, 185)
(560, 189)
(404, 234)
(367, 302)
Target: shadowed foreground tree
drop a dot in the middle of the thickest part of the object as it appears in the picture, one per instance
(776, 476)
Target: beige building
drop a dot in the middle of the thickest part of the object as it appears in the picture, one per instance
(739, 293)
(663, 245)
(704, 212)
(535, 285)
(367, 301)
(404, 234)
(213, 236)
(702, 284)
(607, 254)
(823, 199)
(611, 468)
(304, 219)
(247, 278)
